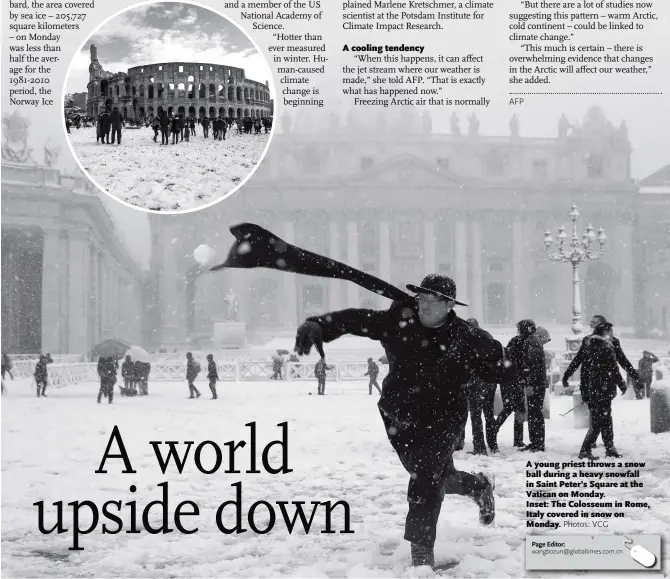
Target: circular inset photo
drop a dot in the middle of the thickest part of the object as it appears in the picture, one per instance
(168, 107)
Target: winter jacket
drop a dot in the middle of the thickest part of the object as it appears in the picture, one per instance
(644, 366)
(116, 119)
(582, 359)
(165, 122)
(603, 372)
(107, 368)
(41, 373)
(428, 367)
(212, 373)
(205, 123)
(320, 369)
(192, 370)
(373, 370)
(128, 370)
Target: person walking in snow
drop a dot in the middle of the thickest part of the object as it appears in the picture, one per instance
(320, 371)
(481, 396)
(432, 354)
(646, 372)
(128, 374)
(582, 360)
(42, 375)
(513, 395)
(192, 371)
(373, 372)
(600, 389)
(107, 369)
(212, 375)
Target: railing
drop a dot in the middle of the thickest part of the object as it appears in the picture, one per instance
(242, 370)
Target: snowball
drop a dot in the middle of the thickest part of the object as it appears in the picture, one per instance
(204, 254)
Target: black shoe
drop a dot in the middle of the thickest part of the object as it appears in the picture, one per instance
(520, 444)
(613, 453)
(494, 449)
(198, 394)
(484, 499)
(476, 452)
(422, 555)
(587, 454)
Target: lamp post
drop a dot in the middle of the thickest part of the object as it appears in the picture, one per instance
(577, 251)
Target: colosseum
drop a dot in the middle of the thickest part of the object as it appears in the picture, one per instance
(191, 88)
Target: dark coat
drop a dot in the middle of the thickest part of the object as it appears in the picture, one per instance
(205, 123)
(644, 366)
(165, 122)
(212, 373)
(117, 119)
(373, 370)
(107, 368)
(41, 373)
(320, 369)
(582, 359)
(428, 367)
(106, 122)
(128, 370)
(192, 370)
(603, 372)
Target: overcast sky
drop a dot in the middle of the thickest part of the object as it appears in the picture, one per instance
(168, 32)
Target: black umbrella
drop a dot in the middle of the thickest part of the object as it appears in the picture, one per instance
(258, 247)
(110, 348)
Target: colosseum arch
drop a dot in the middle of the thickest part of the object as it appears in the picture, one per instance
(117, 90)
(258, 113)
(161, 110)
(150, 112)
(142, 90)
(201, 112)
(191, 91)
(191, 111)
(125, 112)
(239, 113)
(212, 90)
(142, 115)
(222, 111)
(190, 78)
(202, 92)
(212, 112)
(246, 93)
(180, 86)
(221, 91)
(181, 110)
(170, 111)
(231, 93)
(246, 113)
(238, 91)
(161, 90)
(231, 113)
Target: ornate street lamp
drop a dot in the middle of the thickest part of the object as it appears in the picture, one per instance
(577, 251)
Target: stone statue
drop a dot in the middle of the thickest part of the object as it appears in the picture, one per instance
(51, 152)
(563, 126)
(514, 126)
(455, 125)
(473, 125)
(623, 132)
(232, 304)
(15, 139)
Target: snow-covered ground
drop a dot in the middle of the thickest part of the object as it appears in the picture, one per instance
(338, 451)
(173, 177)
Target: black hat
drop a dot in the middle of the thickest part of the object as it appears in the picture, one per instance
(437, 285)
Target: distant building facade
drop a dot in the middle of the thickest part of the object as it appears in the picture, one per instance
(192, 89)
(395, 199)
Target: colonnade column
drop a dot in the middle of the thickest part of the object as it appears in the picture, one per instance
(477, 294)
(461, 270)
(334, 286)
(384, 256)
(289, 302)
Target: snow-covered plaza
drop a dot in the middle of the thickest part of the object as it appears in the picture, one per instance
(337, 449)
(170, 177)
